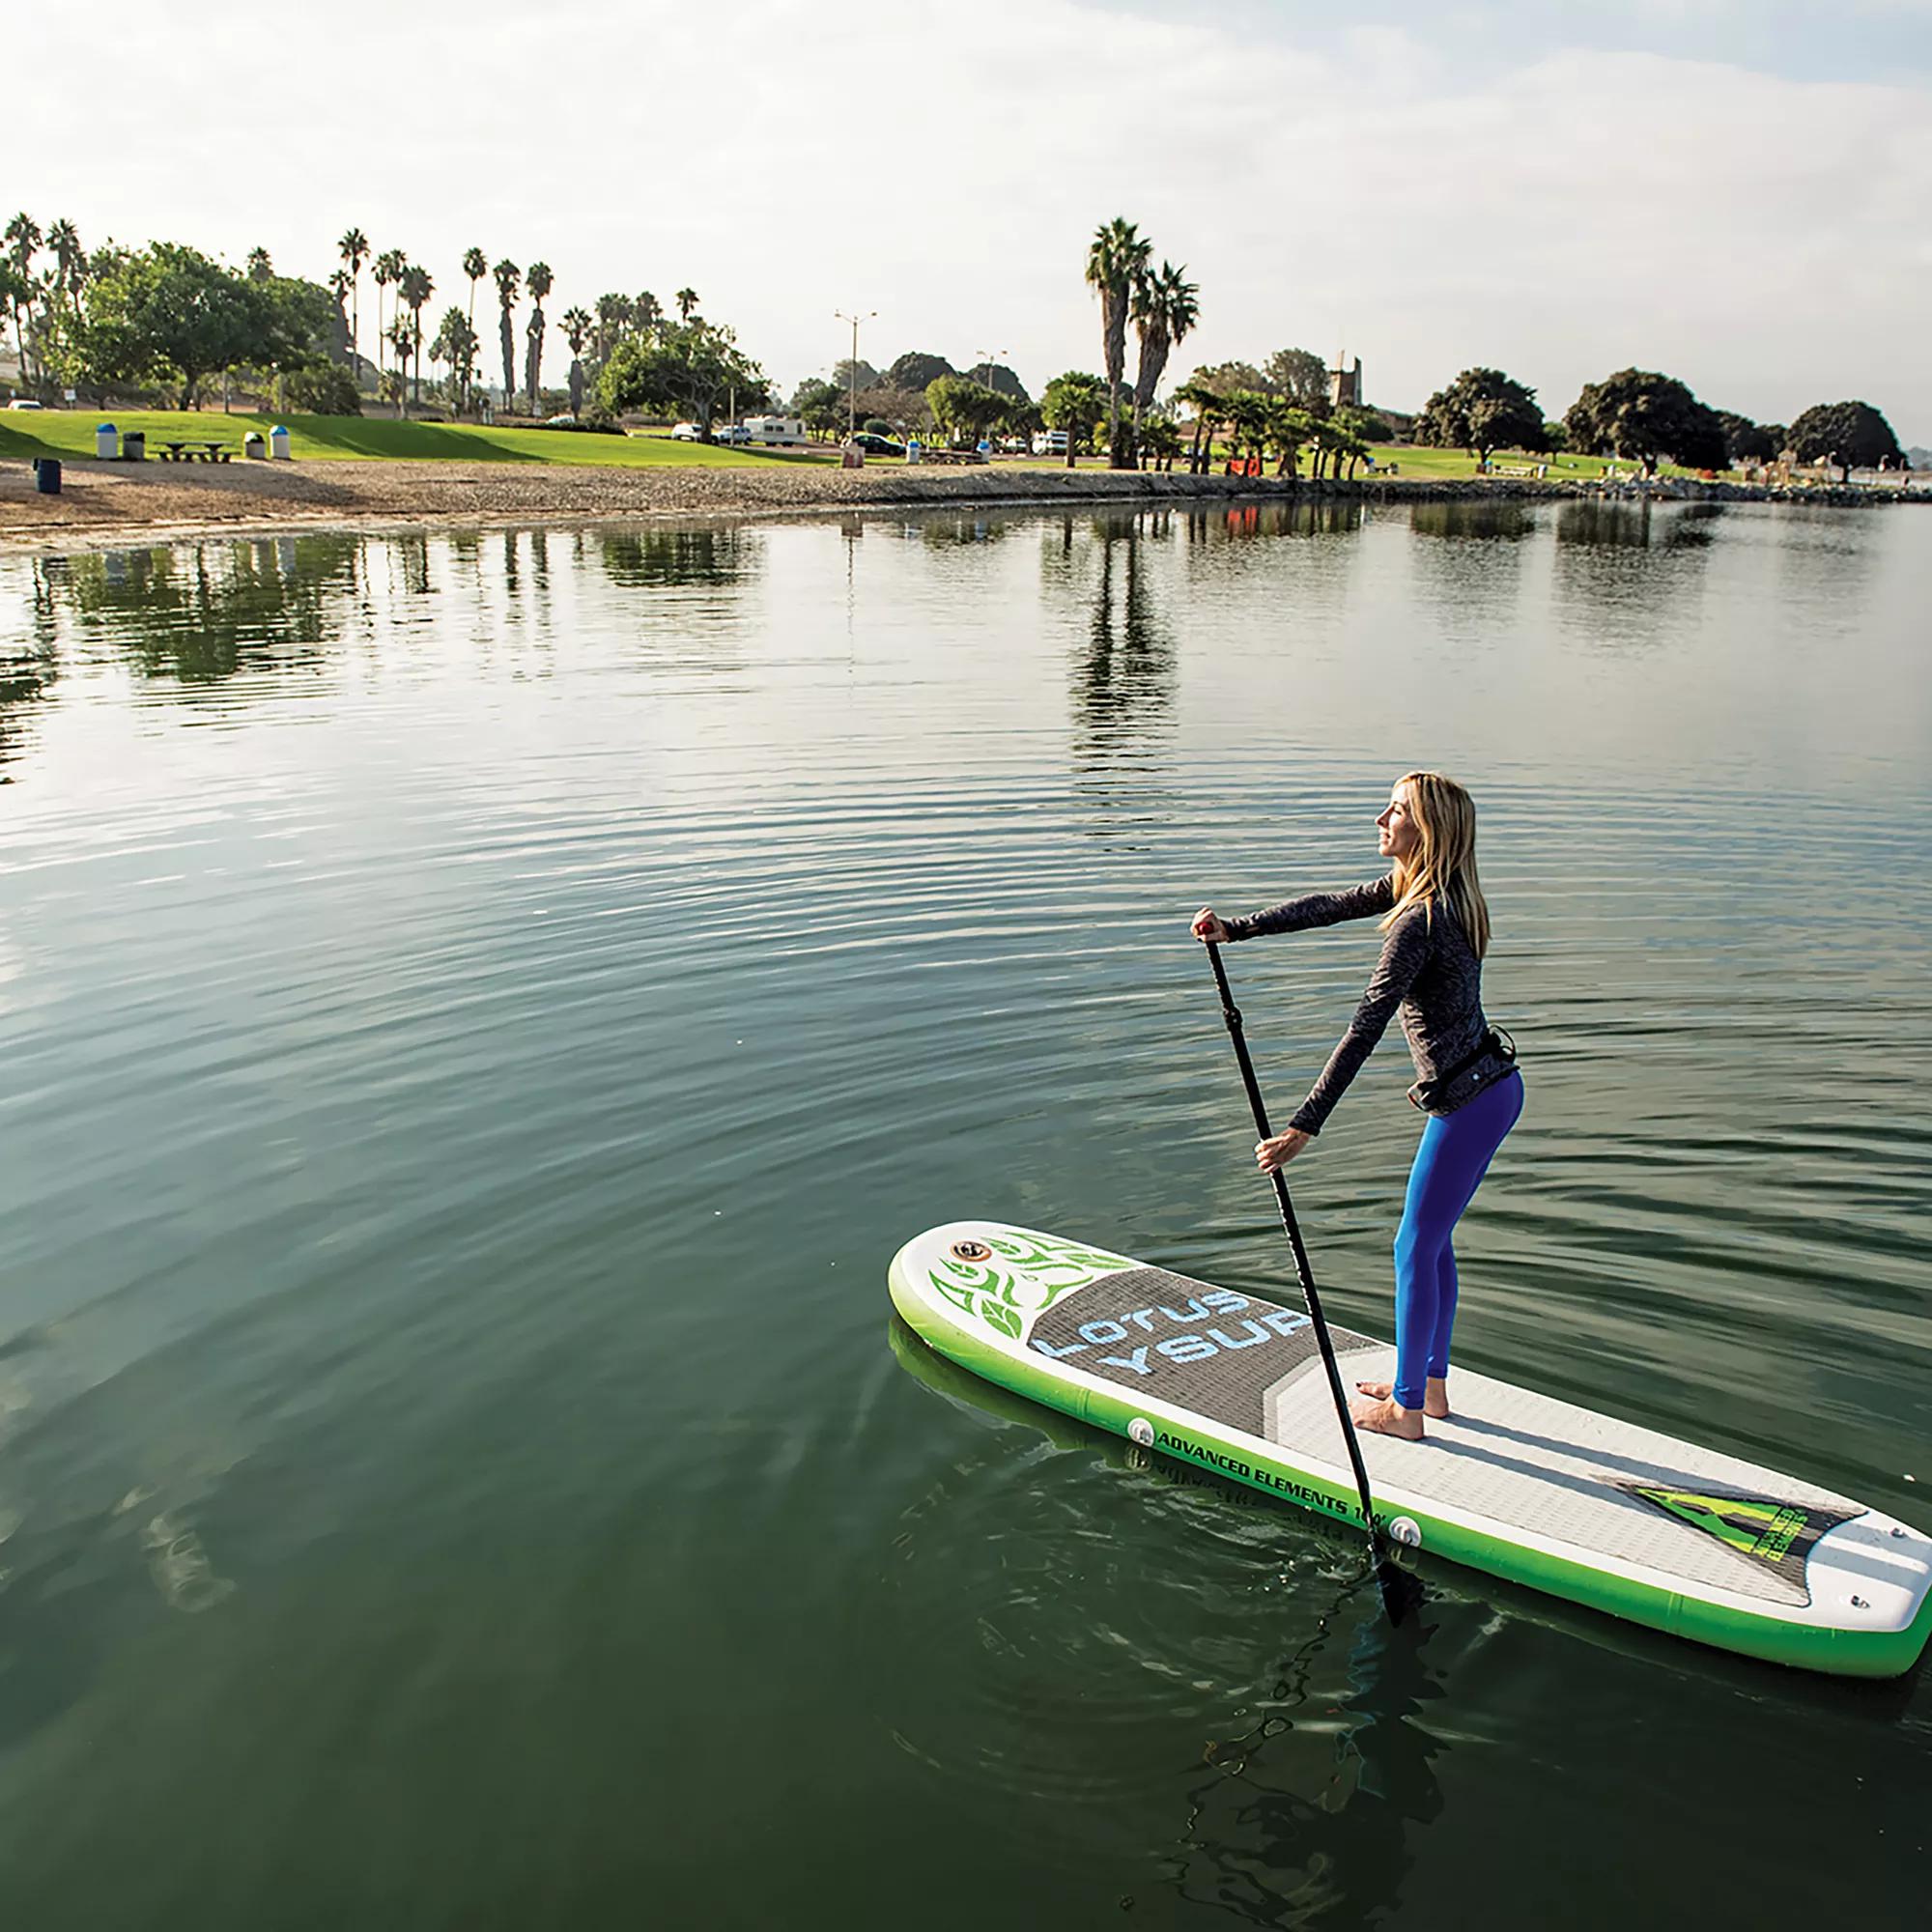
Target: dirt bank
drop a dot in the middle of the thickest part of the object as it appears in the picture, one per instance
(108, 503)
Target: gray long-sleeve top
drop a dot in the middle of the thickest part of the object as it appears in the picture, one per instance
(1428, 967)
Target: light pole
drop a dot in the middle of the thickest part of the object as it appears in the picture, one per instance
(852, 368)
(989, 361)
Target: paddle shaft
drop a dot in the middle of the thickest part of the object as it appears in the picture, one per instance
(1232, 1013)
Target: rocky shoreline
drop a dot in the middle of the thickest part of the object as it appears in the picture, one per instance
(110, 503)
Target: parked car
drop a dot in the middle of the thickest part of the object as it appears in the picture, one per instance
(730, 432)
(686, 432)
(23, 403)
(875, 444)
(1050, 443)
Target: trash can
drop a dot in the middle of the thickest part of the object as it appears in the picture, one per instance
(253, 447)
(278, 444)
(107, 443)
(135, 447)
(46, 476)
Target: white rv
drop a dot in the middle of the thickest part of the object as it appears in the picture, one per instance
(775, 428)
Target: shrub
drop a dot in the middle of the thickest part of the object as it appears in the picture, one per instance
(318, 389)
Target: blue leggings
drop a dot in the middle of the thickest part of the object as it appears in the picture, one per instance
(1454, 1155)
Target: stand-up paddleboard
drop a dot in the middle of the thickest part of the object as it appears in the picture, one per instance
(1593, 1510)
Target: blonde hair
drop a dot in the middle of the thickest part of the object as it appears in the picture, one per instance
(1443, 865)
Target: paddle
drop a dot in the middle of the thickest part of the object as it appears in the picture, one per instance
(1391, 1581)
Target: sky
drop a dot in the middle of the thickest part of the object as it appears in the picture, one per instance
(1734, 191)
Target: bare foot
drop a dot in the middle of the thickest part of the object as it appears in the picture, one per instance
(1435, 1396)
(1388, 1418)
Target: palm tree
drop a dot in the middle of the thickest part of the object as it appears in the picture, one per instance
(1205, 403)
(647, 311)
(539, 282)
(417, 290)
(354, 248)
(404, 339)
(23, 236)
(389, 267)
(509, 279)
(475, 265)
(69, 260)
(260, 267)
(456, 344)
(613, 311)
(577, 327)
(686, 300)
(1165, 309)
(1115, 259)
(338, 287)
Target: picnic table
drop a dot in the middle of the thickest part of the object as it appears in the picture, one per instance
(191, 450)
(951, 456)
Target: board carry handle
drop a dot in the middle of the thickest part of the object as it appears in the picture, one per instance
(1232, 1013)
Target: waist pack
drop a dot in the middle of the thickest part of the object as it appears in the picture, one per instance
(1493, 1060)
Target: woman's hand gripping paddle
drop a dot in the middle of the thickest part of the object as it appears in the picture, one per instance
(1396, 1588)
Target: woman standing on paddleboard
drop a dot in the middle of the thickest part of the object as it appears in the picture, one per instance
(1436, 930)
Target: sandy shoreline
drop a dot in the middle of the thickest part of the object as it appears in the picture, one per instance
(104, 503)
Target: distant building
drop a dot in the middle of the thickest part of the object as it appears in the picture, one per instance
(1344, 384)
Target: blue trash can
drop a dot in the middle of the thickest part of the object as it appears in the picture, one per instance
(46, 476)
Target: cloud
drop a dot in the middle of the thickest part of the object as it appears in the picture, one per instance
(1561, 216)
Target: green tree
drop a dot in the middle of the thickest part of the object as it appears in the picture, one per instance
(405, 340)
(1744, 440)
(168, 314)
(1117, 258)
(476, 266)
(614, 316)
(387, 271)
(509, 279)
(318, 389)
(820, 406)
(1077, 403)
(965, 407)
(415, 289)
(1481, 411)
(1297, 374)
(1159, 443)
(1228, 378)
(456, 345)
(646, 311)
(916, 369)
(1205, 405)
(1646, 417)
(354, 248)
(1164, 306)
(1368, 425)
(69, 261)
(538, 283)
(23, 238)
(577, 328)
(682, 368)
(1854, 436)
(260, 267)
(850, 377)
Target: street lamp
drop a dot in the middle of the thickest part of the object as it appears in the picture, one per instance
(852, 368)
(989, 360)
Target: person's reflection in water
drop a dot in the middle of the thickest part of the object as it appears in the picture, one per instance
(1277, 1849)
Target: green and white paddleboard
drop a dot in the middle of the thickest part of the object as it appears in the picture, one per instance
(1593, 1510)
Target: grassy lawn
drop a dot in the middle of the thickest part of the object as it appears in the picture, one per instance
(69, 433)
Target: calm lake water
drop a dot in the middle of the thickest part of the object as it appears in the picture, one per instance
(479, 1013)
